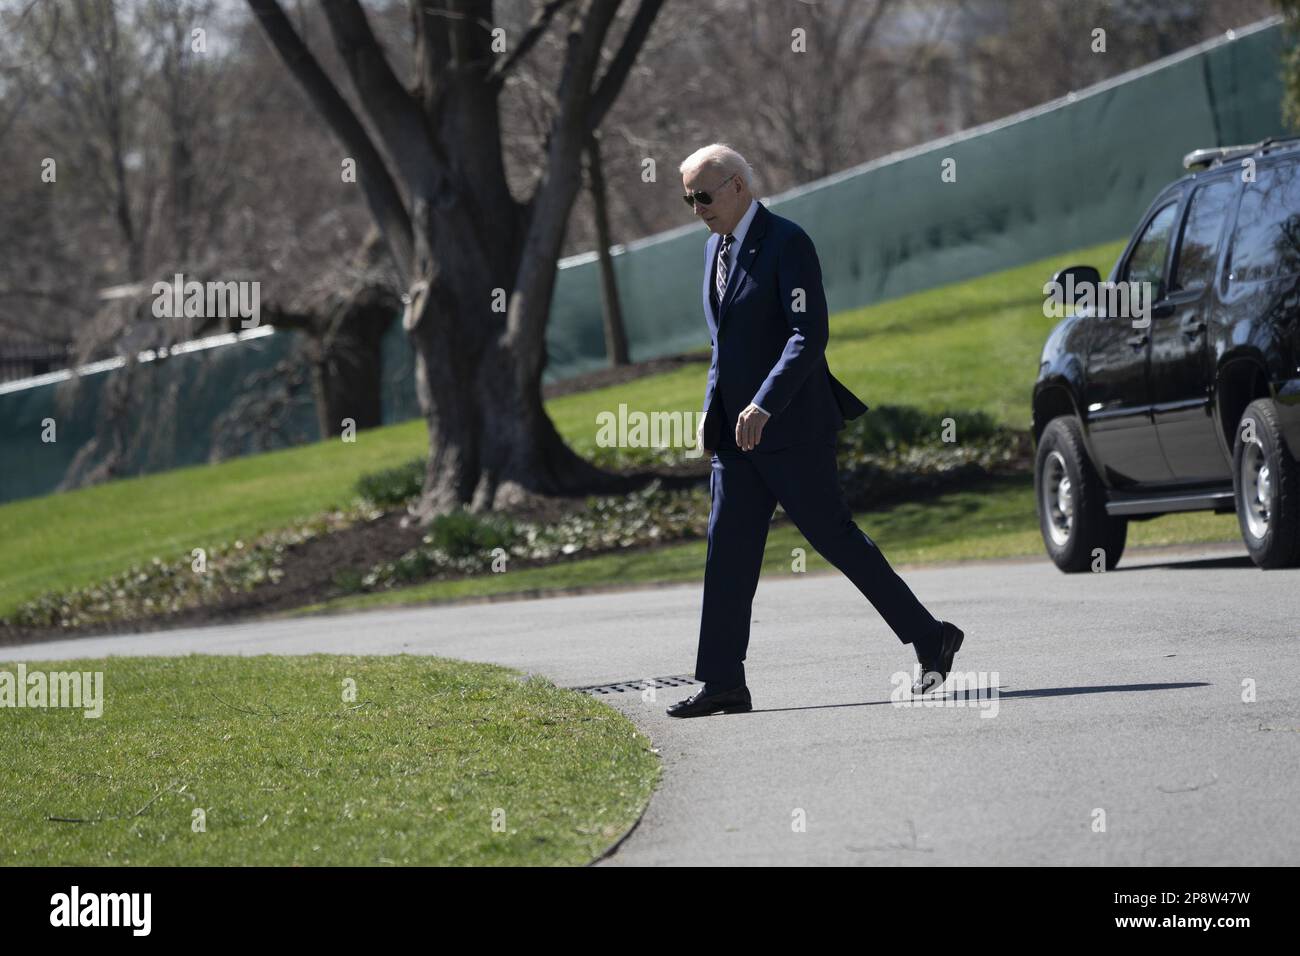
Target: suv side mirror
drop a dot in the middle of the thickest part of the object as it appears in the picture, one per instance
(1072, 280)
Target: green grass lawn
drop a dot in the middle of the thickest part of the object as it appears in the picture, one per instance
(993, 520)
(971, 345)
(435, 762)
(80, 537)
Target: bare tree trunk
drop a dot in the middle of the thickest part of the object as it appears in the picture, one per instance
(479, 265)
(347, 363)
(491, 443)
(611, 310)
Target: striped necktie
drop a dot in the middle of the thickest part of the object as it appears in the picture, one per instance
(723, 255)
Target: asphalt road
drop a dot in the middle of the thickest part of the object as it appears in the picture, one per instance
(1118, 694)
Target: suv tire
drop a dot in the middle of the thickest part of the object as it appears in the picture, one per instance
(1266, 488)
(1071, 501)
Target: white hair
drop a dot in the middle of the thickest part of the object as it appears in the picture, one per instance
(721, 158)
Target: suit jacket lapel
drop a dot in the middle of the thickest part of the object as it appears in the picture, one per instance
(745, 259)
(710, 264)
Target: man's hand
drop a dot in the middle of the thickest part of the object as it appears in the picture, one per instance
(749, 427)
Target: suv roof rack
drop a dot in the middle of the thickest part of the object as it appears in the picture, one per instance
(1199, 159)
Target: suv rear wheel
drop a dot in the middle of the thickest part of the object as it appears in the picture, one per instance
(1071, 501)
(1265, 485)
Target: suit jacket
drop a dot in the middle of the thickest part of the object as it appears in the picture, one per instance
(765, 350)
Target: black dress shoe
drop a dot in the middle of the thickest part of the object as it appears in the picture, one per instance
(734, 701)
(936, 661)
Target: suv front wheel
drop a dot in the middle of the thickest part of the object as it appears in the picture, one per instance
(1265, 485)
(1071, 502)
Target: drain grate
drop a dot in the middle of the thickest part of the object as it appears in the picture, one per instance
(636, 686)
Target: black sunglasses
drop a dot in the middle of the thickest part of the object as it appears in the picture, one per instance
(704, 198)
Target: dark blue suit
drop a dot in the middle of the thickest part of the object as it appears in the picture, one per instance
(769, 347)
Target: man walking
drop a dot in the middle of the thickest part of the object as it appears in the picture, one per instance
(771, 411)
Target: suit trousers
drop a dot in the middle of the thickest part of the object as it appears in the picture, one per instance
(745, 489)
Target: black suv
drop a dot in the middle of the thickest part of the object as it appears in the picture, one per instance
(1194, 404)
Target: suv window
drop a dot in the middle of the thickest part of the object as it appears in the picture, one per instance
(1266, 240)
(1147, 263)
(1199, 251)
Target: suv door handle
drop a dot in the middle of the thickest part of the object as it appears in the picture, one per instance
(1137, 341)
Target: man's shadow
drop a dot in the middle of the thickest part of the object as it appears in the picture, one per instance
(978, 696)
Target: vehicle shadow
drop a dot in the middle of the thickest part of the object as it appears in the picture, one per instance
(1198, 564)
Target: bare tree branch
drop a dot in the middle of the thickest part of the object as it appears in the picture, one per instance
(382, 195)
(541, 20)
(610, 85)
(390, 105)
